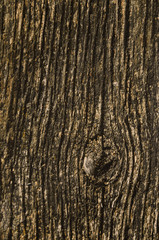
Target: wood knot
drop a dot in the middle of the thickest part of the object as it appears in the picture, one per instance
(100, 158)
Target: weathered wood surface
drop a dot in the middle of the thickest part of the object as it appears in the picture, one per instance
(71, 71)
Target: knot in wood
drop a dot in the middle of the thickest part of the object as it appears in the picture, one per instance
(100, 159)
(93, 154)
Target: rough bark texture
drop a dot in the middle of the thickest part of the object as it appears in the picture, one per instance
(78, 76)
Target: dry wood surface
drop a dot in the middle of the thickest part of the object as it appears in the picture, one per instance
(79, 119)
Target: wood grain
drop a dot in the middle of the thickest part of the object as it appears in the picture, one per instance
(70, 71)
